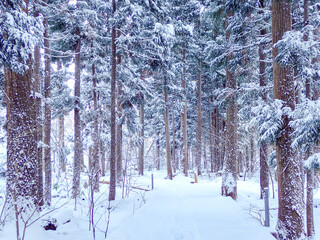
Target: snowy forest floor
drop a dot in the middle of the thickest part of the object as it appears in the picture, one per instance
(174, 210)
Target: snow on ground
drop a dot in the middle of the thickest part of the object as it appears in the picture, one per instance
(174, 210)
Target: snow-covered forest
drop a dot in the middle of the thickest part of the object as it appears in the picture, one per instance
(150, 119)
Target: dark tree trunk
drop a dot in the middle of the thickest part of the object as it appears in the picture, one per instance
(264, 168)
(77, 122)
(47, 116)
(290, 188)
(184, 124)
(22, 151)
(174, 163)
(95, 168)
(119, 125)
(36, 95)
(112, 188)
(199, 126)
(229, 178)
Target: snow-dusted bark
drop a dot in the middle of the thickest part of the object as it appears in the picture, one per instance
(23, 164)
(229, 177)
(95, 168)
(77, 122)
(290, 185)
(112, 187)
(47, 117)
(37, 97)
(264, 168)
(22, 150)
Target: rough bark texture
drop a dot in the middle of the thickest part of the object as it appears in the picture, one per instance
(77, 123)
(95, 168)
(47, 117)
(37, 91)
(229, 177)
(112, 188)
(310, 173)
(166, 119)
(119, 125)
(290, 214)
(22, 151)
(36, 88)
(264, 168)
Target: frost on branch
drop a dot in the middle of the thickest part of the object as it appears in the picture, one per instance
(268, 120)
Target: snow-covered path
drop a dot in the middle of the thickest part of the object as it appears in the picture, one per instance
(178, 210)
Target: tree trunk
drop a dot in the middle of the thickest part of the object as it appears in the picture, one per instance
(62, 157)
(166, 119)
(112, 187)
(211, 143)
(290, 214)
(119, 125)
(77, 122)
(158, 152)
(22, 177)
(141, 135)
(95, 171)
(184, 113)
(103, 159)
(173, 141)
(47, 116)
(37, 97)
(199, 126)
(264, 168)
(310, 221)
(229, 178)
(251, 152)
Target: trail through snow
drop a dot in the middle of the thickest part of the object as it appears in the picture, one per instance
(179, 210)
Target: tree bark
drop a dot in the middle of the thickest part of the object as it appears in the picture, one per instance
(77, 122)
(158, 152)
(103, 159)
(184, 113)
(166, 119)
(264, 168)
(61, 152)
(47, 116)
(174, 163)
(141, 135)
(229, 178)
(199, 126)
(95, 169)
(22, 151)
(310, 218)
(290, 188)
(112, 186)
(119, 124)
(37, 97)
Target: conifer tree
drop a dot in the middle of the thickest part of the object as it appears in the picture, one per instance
(290, 215)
